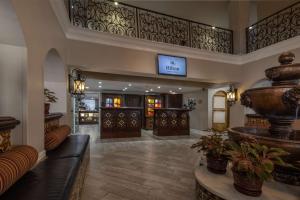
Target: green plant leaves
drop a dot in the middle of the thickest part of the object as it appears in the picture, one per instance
(255, 159)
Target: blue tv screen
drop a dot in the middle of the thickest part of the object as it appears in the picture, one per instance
(171, 65)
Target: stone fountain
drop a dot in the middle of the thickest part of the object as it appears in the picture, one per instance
(279, 104)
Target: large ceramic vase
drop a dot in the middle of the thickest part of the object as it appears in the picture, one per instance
(280, 104)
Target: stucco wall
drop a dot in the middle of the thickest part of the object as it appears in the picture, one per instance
(12, 85)
(198, 117)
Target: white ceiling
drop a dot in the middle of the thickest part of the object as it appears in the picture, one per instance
(138, 88)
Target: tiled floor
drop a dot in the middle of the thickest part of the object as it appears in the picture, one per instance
(149, 167)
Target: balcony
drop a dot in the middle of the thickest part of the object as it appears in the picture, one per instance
(280, 26)
(130, 21)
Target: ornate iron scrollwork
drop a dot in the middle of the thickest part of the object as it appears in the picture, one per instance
(275, 28)
(161, 28)
(204, 37)
(126, 20)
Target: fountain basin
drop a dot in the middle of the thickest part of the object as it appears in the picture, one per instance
(285, 174)
(270, 101)
(283, 73)
(264, 137)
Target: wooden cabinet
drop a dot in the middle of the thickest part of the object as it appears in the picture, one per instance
(112, 100)
(173, 100)
(133, 100)
(151, 102)
(88, 117)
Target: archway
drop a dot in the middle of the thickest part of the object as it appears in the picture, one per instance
(220, 119)
(55, 80)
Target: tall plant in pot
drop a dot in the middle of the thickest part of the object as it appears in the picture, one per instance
(252, 164)
(49, 98)
(214, 147)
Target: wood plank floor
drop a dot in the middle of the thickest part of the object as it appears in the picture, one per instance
(146, 168)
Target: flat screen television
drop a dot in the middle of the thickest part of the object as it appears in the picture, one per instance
(171, 65)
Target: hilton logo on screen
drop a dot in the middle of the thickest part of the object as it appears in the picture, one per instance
(171, 65)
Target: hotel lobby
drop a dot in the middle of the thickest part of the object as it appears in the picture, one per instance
(149, 100)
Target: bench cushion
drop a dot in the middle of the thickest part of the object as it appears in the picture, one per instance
(14, 164)
(73, 146)
(49, 180)
(55, 137)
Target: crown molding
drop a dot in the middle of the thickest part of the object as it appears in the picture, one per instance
(86, 35)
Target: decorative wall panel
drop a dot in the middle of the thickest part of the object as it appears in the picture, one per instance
(171, 121)
(121, 122)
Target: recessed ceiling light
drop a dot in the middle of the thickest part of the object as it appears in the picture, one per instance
(125, 88)
(100, 82)
(180, 88)
(87, 87)
(151, 89)
(158, 87)
(147, 91)
(213, 27)
(170, 91)
(116, 3)
(100, 86)
(129, 84)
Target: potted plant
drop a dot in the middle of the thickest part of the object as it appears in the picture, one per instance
(49, 98)
(214, 147)
(252, 164)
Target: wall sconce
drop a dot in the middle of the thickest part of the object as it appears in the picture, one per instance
(76, 83)
(231, 95)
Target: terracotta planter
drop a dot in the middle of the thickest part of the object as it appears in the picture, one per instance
(216, 165)
(47, 108)
(250, 186)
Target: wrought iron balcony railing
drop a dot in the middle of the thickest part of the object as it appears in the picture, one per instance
(280, 26)
(127, 20)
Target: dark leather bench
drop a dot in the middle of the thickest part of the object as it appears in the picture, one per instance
(59, 177)
(73, 146)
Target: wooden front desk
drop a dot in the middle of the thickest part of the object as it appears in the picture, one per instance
(171, 122)
(121, 122)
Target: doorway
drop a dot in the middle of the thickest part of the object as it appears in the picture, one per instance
(220, 111)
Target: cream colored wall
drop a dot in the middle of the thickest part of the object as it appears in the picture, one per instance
(198, 117)
(269, 7)
(55, 79)
(41, 33)
(12, 85)
(109, 59)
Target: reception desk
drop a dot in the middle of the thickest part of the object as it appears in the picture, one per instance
(171, 122)
(121, 122)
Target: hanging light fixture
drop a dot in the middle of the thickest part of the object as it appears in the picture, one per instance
(76, 83)
(231, 95)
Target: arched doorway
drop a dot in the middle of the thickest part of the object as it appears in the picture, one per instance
(220, 111)
(55, 80)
